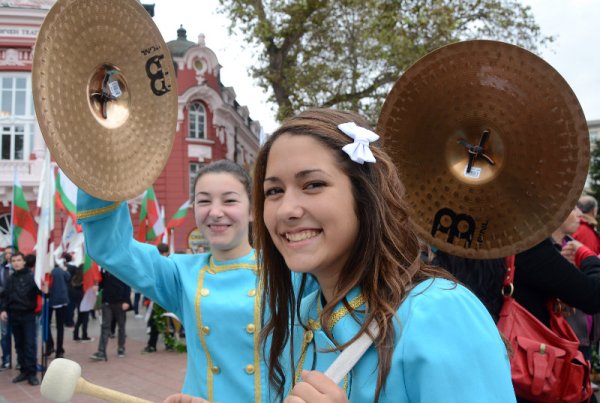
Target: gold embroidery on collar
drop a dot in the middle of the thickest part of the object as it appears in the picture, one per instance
(342, 311)
(209, 364)
(314, 324)
(98, 211)
(214, 268)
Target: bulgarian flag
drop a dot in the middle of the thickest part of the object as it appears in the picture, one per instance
(66, 197)
(91, 273)
(151, 224)
(179, 216)
(22, 223)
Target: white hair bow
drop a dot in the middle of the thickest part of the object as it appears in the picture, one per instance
(359, 150)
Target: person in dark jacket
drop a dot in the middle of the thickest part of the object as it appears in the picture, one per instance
(115, 303)
(82, 317)
(70, 311)
(5, 332)
(58, 300)
(542, 273)
(18, 304)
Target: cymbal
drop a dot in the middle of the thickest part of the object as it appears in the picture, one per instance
(105, 95)
(491, 144)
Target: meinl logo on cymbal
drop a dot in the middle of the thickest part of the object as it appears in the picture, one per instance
(157, 76)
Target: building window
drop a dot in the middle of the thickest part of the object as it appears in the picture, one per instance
(12, 145)
(197, 121)
(194, 168)
(16, 96)
(5, 240)
(17, 116)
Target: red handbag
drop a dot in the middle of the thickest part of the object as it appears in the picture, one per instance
(546, 364)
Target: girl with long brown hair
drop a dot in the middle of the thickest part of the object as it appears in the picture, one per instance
(329, 205)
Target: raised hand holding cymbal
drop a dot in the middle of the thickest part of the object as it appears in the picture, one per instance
(108, 118)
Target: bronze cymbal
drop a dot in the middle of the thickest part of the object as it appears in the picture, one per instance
(491, 144)
(105, 95)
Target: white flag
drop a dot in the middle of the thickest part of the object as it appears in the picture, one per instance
(44, 260)
(89, 300)
(71, 239)
(165, 237)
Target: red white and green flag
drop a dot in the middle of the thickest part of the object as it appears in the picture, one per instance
(23, 226)
(91, 277)
(179, 216)
(151, 224)
(91, 273)
(66, 197)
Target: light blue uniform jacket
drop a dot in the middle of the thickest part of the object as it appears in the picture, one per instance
(447, 349)
(217, 302)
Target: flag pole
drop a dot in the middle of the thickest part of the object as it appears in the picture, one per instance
(12, 211)
(45, 329)
(62, 226)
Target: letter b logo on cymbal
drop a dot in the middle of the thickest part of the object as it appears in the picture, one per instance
(155, 73)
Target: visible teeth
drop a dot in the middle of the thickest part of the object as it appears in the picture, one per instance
(301, 236)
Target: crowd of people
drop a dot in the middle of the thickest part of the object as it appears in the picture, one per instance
(24, 327)
(314, 252)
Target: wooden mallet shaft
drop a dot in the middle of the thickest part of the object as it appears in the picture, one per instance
(105, 394)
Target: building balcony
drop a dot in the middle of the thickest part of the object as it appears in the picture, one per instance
(29, 173)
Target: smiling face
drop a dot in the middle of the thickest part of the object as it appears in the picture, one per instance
(309, 207)
(222, 211)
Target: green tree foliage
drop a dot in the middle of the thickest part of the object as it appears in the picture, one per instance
(594, 172)
(163, 326)
(348, 53)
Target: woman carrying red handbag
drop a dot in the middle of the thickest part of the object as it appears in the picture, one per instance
(542, 274)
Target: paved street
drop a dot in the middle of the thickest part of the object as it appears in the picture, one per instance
(148, 376)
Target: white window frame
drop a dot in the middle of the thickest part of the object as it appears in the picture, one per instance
(10, 123)
(197, 120)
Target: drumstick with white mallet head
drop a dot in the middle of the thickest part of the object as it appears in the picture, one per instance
(63, 379)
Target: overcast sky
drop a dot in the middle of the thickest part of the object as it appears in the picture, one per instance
(574, 54)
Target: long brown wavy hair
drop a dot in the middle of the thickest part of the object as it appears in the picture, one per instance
(384, 260)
